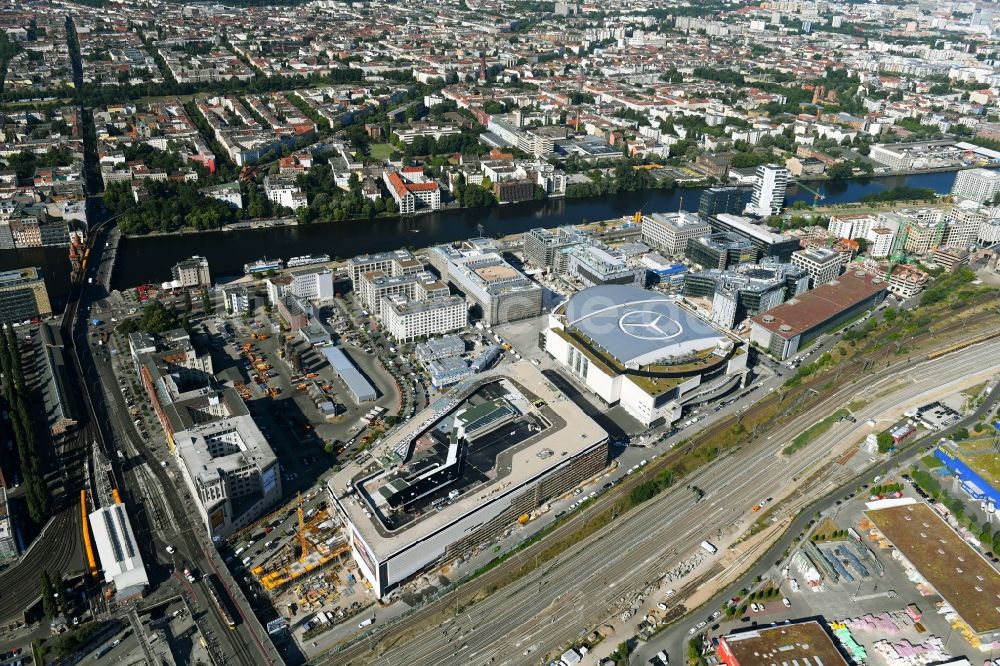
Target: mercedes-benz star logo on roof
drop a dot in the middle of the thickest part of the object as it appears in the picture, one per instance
(648, 325)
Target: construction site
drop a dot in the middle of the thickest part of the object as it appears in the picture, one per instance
(300, 558)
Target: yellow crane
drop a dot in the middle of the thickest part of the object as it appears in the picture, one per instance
(303, 542)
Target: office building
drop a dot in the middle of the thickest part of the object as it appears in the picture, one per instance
(190, 273)
(446, 481)
(406, 319)
(822, 264)
(769, 190)
(921, 231)
(230, 470)
(663, 271)
(717, 200)
(989, 232)
(907, 281)
(721, 250)
(950, 258)
(641, 350)
(308, 284)
(544, 249)
(23, 295)
(499, 292)
(767, 242)
(747, 290)
(979, 185)
(783, 330)
(594, 264)
(670, 232)
(227, 464)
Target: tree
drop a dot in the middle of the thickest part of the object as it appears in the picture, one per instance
(885, 442)
(188, 305)
(206, 300)
(47, 592)
(621, 654)
(840, 171)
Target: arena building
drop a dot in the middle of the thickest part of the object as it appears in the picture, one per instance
(642, 350)
(459, 473)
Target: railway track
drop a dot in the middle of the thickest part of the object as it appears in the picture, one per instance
(394, 633)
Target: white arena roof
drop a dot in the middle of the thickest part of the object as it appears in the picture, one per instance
(638, 327)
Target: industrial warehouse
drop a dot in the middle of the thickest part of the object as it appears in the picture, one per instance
(470, 464)
(642, 350)
(934, 552)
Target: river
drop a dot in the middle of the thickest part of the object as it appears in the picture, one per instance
(149, 259)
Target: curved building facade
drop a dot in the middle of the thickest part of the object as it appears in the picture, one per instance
(640, 349)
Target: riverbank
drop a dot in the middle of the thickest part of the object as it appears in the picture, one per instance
(148, 259)
(679, 189)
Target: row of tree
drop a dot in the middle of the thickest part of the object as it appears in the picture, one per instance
(16, 396)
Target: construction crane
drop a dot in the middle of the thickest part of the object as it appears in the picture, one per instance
(303, 542)
(898, 253)
(817, 197)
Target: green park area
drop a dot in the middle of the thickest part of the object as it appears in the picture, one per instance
(381, 151)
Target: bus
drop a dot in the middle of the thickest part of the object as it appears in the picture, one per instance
(218, 593)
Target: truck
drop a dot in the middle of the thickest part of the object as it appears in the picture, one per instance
(96, 322)
(712, 550)
(367, 621)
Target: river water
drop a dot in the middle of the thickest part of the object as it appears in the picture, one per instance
(149, 259)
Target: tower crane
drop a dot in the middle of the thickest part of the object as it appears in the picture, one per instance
(817, 197)
(303, 542)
